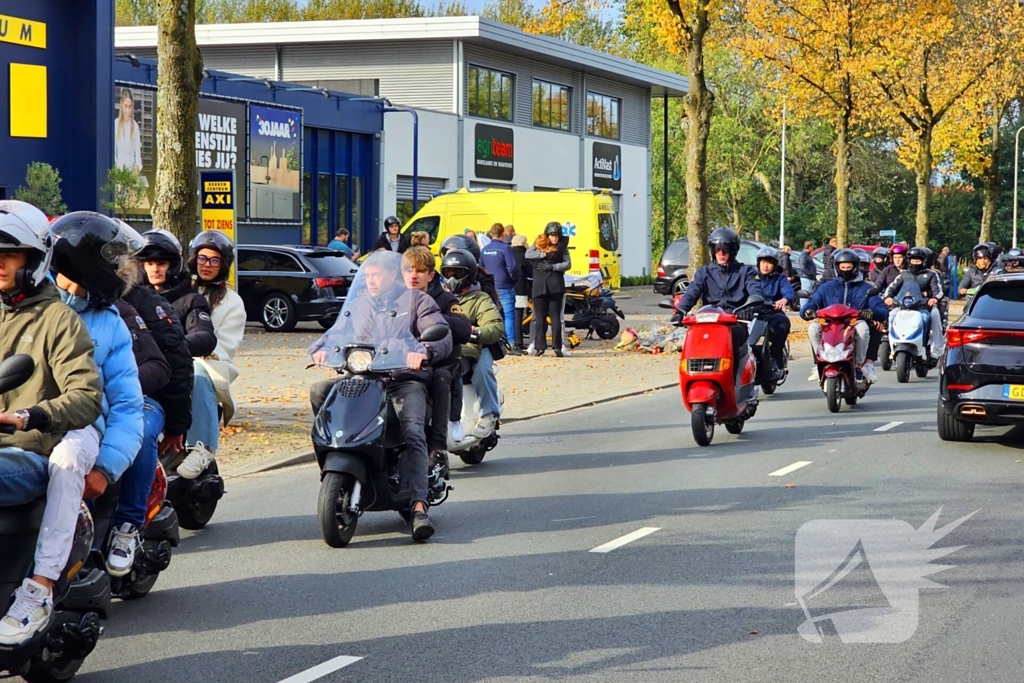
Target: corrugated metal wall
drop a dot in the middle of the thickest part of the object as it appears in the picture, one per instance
(417, 75)
(248, 60)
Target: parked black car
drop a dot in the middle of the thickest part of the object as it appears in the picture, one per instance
(981, 377)
(284, 285)
(672, 277)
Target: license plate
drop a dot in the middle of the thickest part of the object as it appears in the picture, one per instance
(1013, 392)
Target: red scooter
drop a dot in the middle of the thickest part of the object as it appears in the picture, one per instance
(836, 358)
(714, 390)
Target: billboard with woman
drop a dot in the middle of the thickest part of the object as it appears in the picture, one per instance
(135, 139)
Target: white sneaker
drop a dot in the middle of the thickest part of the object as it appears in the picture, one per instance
(30, 613)
(565, 353)
(814, 374)
(869, 372)
(456, 432)
(484, 426)
(123, 546)
(197, 461)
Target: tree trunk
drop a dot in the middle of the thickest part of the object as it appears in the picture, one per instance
(698, 105)
(841, 148)
(737, 225)
(923, 171)
(180, 74)
(991, 179)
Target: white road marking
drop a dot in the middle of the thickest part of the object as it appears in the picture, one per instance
(574, 519)
(321, 670)
(623, 540)
(887, 427)
(790, 468)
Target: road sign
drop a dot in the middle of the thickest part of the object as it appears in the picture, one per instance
(886, 233)
(218, 206)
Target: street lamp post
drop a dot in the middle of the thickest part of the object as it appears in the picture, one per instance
(782, 184)
(1016, 163)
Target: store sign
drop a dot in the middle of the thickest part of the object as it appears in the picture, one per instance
(494, 152)
(607, 166)
(217, 203)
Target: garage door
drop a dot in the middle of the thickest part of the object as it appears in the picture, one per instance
(426, 188)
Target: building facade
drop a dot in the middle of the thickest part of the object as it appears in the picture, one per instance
(494, 107)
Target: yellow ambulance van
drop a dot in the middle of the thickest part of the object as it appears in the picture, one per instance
(587, 216)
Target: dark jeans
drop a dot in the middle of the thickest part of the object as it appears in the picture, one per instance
(520, 314)
(440, 407)
(547, 306)
(409, 399)
(778, 332)
(874, 341)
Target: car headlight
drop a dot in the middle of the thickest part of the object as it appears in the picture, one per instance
(359, 360)
(833, 354)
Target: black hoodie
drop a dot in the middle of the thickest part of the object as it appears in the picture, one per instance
(194, 312)
(458, 323)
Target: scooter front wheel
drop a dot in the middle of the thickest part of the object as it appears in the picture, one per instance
(885, 353)
(337, 523)
(703, 429)
(832, 394)
(902, 367)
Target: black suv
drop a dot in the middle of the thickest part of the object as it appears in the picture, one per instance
(981, 378)
(672, 267)
(284, 285)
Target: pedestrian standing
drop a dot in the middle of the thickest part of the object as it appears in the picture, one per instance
(549, 264)
(806, 269)
(826, 259)
(510, 233)
(498, 260)
(523, 283)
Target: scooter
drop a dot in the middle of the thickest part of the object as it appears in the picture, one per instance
(836, 358)
(909, 323)
(159, 533)
(81, 598)
(760, 347)
(194, 500)
(593, 308)
(714, 391)
(358, 441)
(472, 449)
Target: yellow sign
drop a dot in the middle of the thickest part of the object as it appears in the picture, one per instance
(22, 32)
(218, 207)
(28, 101)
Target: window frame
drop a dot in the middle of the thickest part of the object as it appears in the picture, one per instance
(566, 108)
(473, 96)
(591, 122)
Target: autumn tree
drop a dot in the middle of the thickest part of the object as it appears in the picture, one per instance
(179, 76)
(931, 54)
(821, 53)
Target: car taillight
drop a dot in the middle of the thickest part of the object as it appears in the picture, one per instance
(661, 271)
(325, 282)
(960, 387)
(595, 261)
(959, 337)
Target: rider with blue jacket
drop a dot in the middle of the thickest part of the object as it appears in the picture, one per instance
(779, 293)
(848, 288)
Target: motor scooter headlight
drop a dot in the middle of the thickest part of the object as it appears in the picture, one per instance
(358, 360)
(833, 354)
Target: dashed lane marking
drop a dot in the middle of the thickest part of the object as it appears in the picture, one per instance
(321, 670)
(623, 540)
(790, 468)
(887, 427)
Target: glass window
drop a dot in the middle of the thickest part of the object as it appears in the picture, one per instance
(330, 264)
(250, 260)
(427, 224)
(341, 202)
(608, 228)
(490, 93)
(748, 253)
(307, 206)
(357, 213)
(1004, 302)
(603, 116)
(323, 209)
(282, 263)
(551, 105)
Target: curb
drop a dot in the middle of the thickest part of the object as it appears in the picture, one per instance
(609, 399)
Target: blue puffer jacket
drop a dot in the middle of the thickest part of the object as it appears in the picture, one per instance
(120, 423)
(853, 294)
(775, 287)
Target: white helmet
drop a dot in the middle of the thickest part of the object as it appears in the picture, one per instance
(23, 227)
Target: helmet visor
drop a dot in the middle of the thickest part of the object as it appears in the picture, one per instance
(126, 243)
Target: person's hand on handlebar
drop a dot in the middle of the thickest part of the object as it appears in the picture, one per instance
(807, 314)
(932, 302)
(12, 420)
(963, 292)
(889, 302)
(415, 359)
(320, 357)
(781, 304)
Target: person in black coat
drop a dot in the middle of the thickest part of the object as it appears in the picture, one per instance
(549, 264)
(391, 238)
(826, 258)
(522, 287)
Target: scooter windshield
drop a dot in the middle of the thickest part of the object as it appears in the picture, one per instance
(910, 294)
(374, 331)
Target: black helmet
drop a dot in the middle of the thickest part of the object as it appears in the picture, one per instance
(88, 249)
(846, 256)
(865, 259)
(929, 257)
(219, 242)
(768, 254)
(464, 264)
(391, 220)
(983, 250)
(994, 249)
(881, 256)
(554, 228)
(461, 242)
(162, 245)
(725, 237)
(917, 254)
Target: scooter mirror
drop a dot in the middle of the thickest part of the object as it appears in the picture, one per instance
(666, 302)
(873, 291)
(15, 371)
(755, 300)
(434, 333)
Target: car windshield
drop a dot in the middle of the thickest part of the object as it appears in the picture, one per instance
(1000, 301)
(377, 317)
(332, 264)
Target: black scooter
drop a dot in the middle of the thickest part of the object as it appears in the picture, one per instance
(758, 341)
(358, 442)
(194, 500)
(81, 597)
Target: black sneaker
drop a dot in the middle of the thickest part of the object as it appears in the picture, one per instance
(439, 458)
(422, 529)
(558, 352)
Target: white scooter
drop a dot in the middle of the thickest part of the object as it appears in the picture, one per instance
(909, 323)
(472, 449)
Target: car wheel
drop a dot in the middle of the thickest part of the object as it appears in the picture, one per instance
(326, 323)
(952, 429)
(679, 286)
(278, 313)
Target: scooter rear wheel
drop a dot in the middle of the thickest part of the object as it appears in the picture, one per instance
(607, 327)
(337, 524)
(141, 587)
(885, 353)
(53, 672)
(703, 430)
(832, 394)
(474, 456)
(921, 369)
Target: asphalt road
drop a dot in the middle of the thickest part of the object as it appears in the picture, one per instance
(507, 590)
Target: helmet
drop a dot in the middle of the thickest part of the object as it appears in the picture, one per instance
(727, 238)
(983, 250)
(391, 220)
(929, 257)
(846, 256)
(461, 242)
(768, 254)
(88, 249)
(880, 255)
(162, 245)
(898, 249)
(554, 228)
(995, 249)
(915, 254)
(219, 242)
(865, 260)
(23, 227)
(464, 263)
